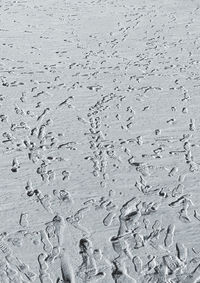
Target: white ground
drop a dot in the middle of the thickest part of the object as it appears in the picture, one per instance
(100, 141)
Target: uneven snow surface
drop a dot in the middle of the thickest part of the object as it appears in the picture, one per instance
(100, 141)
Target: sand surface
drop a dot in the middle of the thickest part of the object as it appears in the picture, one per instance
(100, 141)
